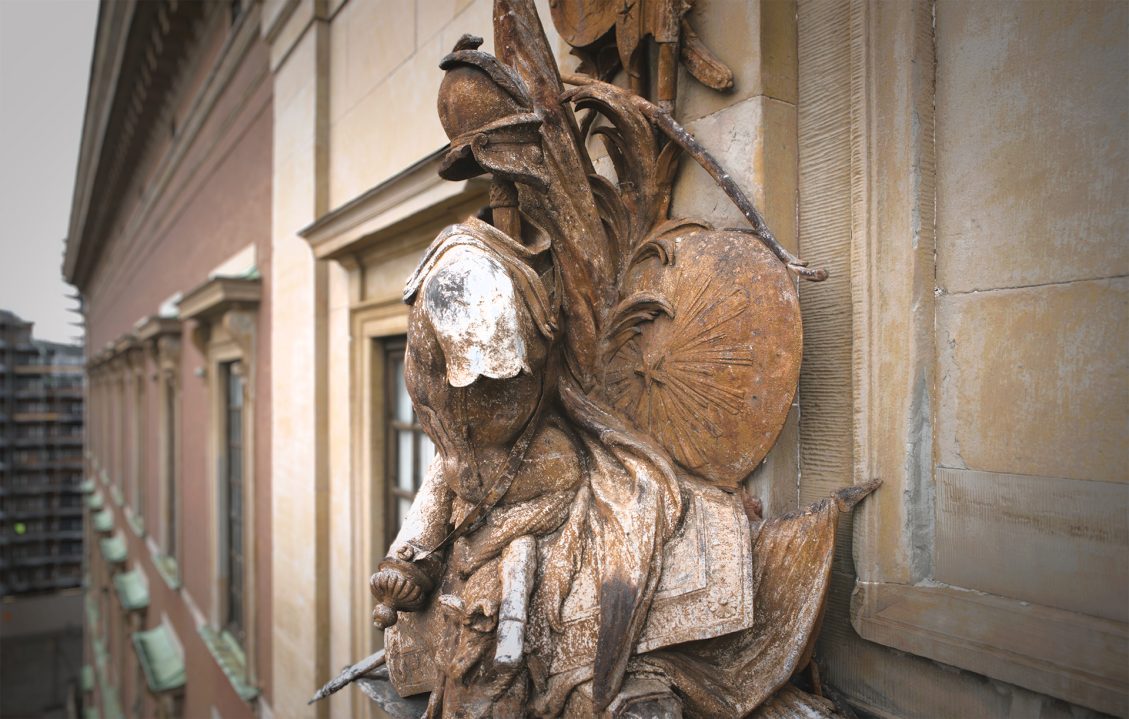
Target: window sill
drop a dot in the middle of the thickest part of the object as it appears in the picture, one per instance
(96, 502)
(160, 659)
(1072, 656)
(136, 522)
(103, 521)
(168, 569)
(229, 655)
(132, 592)
(114, 550)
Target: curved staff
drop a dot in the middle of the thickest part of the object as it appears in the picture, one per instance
(670, 127)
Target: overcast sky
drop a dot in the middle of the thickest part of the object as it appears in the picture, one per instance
(45, 51)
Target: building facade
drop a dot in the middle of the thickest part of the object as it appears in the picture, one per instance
(169, 248)
(255, 187)
(41, 461)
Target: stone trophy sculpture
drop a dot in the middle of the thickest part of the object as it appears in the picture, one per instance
(598, 379)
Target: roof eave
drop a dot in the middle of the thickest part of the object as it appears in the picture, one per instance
(114, 19)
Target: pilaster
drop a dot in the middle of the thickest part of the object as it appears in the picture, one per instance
(299, 39)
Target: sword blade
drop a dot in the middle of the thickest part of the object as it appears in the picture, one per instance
(349, 674)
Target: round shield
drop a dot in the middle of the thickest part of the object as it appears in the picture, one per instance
(714, 383)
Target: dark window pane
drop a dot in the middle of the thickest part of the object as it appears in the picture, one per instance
(408, 449)
(233, 463)
(170, 468)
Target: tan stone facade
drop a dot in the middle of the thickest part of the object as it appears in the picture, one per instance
(958, 166)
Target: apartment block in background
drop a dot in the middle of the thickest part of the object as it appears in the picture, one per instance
(41, 496)
(41, 399)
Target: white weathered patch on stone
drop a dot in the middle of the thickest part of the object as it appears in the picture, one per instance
(471, 302)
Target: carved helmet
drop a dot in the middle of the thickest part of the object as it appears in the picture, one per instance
(488, 117)
(490, 311)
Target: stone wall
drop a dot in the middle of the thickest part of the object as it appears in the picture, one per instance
(959, 172)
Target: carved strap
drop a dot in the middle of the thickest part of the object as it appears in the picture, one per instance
(501, 483)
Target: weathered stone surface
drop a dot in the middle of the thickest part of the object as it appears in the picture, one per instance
(1058, 542)
(754, 141)
(1032, 105)
(1036, 380)
(758, 44)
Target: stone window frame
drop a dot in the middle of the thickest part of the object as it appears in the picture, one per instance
(895, 601)
(120, 465)
(223, 313)
(161, 337)
(136, 398)
(102, 451)
(392, 219)
(92, 424)
(395, 346)
(233, 378)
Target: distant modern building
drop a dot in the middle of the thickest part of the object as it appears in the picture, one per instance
(41, 529)
(41, 463)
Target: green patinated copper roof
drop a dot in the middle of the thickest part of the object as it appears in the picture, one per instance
(87, 678)
(96, 501)
(160, 659)
(230, 657)
(87, 486)
(113, 549)
(91, 713)
(104, 521)
(132, 590)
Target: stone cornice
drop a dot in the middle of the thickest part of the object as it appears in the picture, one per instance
(385, 209)
(114, 20)
(125, 343)
(149, 329)
(155, 326)
(139, 49)
(219, 295)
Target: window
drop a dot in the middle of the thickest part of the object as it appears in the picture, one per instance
(160, 336)
(233, 476)
(409, 450)
(224, 310)
(376, 253)
(120, 432)
(138, 433)
(169, 468)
